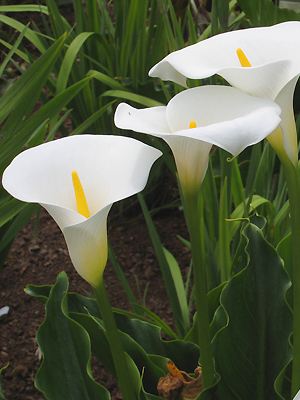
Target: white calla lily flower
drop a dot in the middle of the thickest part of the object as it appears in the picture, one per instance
(260, 61)
(198, 118)
(297, 397)
(77, 179)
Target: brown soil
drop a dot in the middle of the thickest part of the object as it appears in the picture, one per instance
(38, 255)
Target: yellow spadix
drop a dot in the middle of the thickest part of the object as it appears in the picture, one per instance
(81, 202)
(243, 58)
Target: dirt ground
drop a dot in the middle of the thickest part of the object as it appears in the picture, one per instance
(39, 254)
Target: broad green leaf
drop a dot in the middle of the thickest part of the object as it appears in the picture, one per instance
(81, 304)
(239, 213)
(65, 371)
(183, 353)
(145, 314)
(213, 297)
(252, 347)
(141, 340)
(100, 348)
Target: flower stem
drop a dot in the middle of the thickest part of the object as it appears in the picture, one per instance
(293, 184)
(192, 213)
(113, 337)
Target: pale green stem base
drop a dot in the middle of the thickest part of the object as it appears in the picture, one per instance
(113, 337)
(191, 207)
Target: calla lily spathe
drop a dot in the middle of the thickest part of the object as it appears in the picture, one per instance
(108, 169)
(198, 118)
(261, 61)
(297, 397)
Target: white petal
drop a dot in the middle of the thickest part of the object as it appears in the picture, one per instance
(297, 397)
(148, 120)
(288, 125)
(212, 104)
(191, 157)
(87, 245)
(225, 116)
(110, 168)
(264, 81)
(63, 216)
(235, 135)
(217, 55)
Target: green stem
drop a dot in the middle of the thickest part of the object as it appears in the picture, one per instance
(293, 184)
(113, 337)
(192, 212)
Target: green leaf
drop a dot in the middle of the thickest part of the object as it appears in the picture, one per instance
(92, 119)
(145, 314)
(240, 211)
(100, 348)
(19, 53)
(24, 8)
(171, 274)
(65, 371)
(178, 283)
(69, 59)
(11, 52)
(123, 280)
(11, 147)
(183, 353)
(141, 340)
(284, 249)
(59, 23)
(223, 246)
(136, 98)
(33, 79)
(9, 208)
(106, 79)
(252, 347)
(219, 17)
(265, 12)
(31, 35)
(11, 229)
